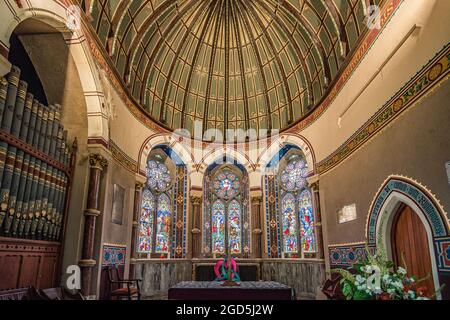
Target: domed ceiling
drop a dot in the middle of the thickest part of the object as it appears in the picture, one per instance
(228, 64)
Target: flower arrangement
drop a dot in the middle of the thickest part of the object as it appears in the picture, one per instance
(374, 278)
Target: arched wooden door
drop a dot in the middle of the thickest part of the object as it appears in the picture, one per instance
(410, 246)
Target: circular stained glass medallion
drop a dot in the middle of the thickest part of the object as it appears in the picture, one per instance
(226, 185)
(158, 176)
(294, 176)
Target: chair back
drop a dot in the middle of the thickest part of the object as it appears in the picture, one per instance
(113, 275)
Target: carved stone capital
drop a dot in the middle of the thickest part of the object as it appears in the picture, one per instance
(196, 200)
(256, 199)
(98, 161)
(313, 182)
(139, 185)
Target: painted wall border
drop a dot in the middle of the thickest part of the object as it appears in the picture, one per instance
(424, 83)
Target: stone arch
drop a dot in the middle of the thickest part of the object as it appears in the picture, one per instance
(285, 139)
(394, 192)
(56, 15)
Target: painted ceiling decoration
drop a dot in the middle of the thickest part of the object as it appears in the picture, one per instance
(230, 64)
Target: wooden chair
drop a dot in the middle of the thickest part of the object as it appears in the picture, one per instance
(118, 290)
(332, 288)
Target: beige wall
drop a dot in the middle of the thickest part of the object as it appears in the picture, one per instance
(416, 145)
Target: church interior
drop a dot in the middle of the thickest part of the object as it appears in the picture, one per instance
(247, 148)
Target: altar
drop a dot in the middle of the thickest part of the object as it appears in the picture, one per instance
(247, 290)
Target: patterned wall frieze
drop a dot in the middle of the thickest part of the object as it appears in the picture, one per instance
(122, 158)
(442, 247)
(346, 255)
(426, 81)
(114, 255)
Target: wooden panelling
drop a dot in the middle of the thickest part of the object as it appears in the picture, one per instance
(28, 262)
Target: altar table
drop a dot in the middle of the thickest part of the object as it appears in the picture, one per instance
(247, 290)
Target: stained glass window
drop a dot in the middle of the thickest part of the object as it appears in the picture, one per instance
(218, 227)
(294, 176)
(234, 222)
(156, 211)
(158, 176)
(163, 218)
(307, 222)
(289, 222)
(297, 215)
(226, 185)
(146, 222)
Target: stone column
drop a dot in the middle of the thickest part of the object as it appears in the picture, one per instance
(318, 218)
(134, 233)
(196, 231)
(256, 228)
(87, 263)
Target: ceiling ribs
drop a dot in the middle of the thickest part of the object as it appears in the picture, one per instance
(163, 111)
(241, 67)
(340, 24)
(154, 54)
(210, 73)
(278, 61)
(296, 47)
(227, 64)
(140, 34)
(317, 42)
(260, 66)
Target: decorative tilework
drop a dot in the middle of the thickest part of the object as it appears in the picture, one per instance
(418, 196)
(431, 75)
(442, 246)
(347, 255)
(114, 255)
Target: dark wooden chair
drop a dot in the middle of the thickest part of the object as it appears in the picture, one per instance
(332, 287)
(117, 288)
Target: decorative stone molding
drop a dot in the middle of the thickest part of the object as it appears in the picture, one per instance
(97, 161)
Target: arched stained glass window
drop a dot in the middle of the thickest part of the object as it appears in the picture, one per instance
(234, 222)
(226, 219)
(289, 222)
(307, 222)
(157, 210)
(163, 218)
(296, 209)
(218, 227)
(146, 222)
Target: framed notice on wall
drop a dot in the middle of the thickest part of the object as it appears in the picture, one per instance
(117, 206)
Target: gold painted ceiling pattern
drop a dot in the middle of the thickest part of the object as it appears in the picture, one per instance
(228, 64)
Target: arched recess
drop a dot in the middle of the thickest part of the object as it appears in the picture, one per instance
(58, 16)
(163, 219)
(394, 192)
(233, 202)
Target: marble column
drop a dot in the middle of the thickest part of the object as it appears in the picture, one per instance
(87, 263)
(196, 231)
(318, 218)
(256, 227)
(134, 233)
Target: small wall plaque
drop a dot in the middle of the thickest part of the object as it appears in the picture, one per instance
(347, 213)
